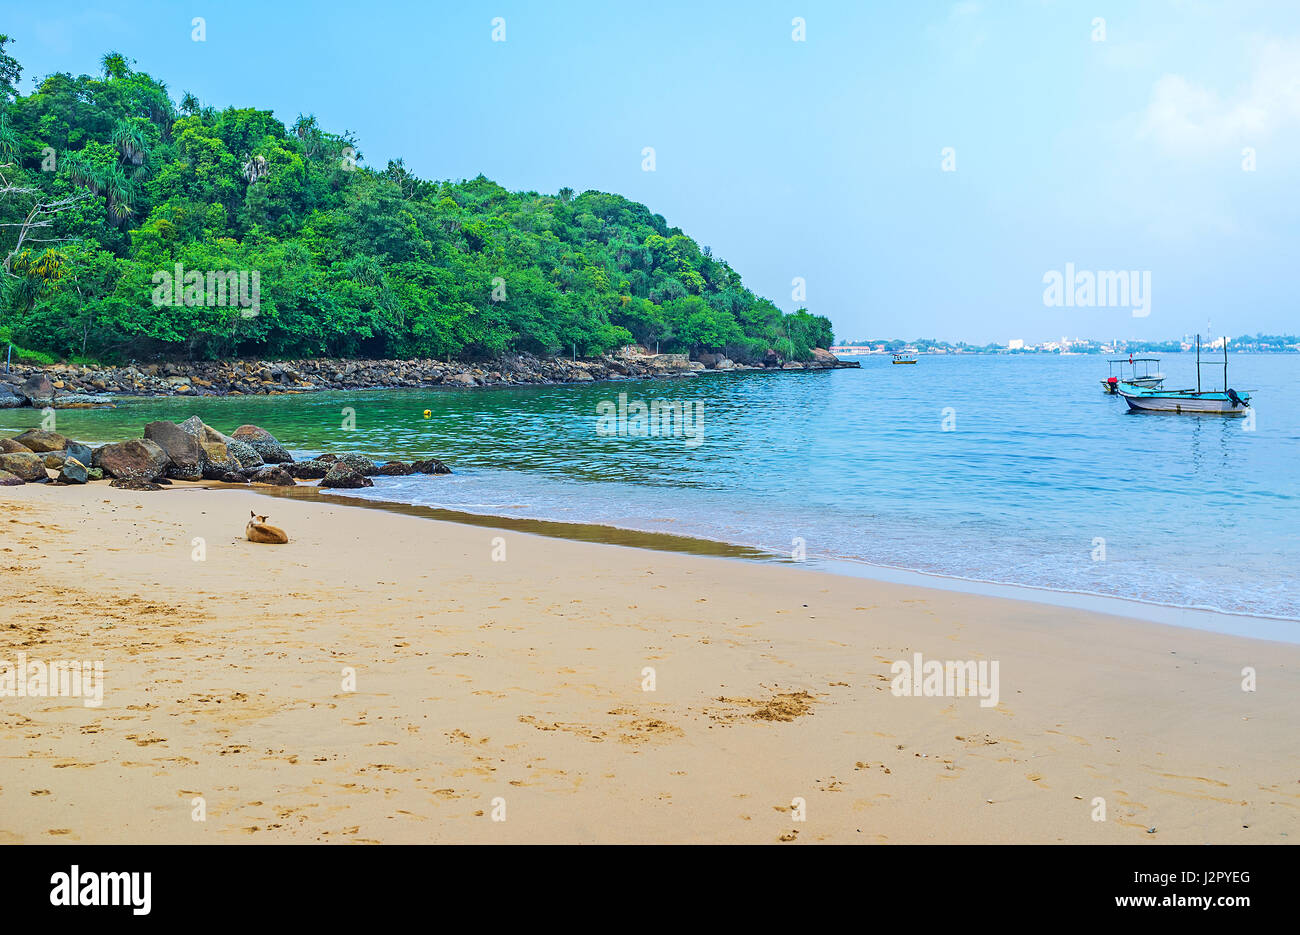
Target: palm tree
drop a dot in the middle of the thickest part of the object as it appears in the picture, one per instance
(566, 194)
(115, 65)
(8, 139)
(256, 168)
(189, 103)
(120, 194)
(131, 142)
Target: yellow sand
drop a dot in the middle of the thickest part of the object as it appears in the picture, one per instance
(520, 681)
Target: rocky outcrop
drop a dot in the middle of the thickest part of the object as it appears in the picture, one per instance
(73, 472)
(134, 483)
(273, 475)
(137, 458)
(202, 431)
(342, 476)
(394, 469)
(38, 389)
(181, 448)
(309, 470)
(264, 443)
(183, 452)
(28, 467)
(41, 440)
(357, 463)
(10, 480)
(430, 466)
(68, 385)
(217, 461)
(243, 453)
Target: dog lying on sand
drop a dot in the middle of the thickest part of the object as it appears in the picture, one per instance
(258, 531)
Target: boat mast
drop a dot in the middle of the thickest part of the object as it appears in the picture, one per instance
(1198, 363)
(1225, 363)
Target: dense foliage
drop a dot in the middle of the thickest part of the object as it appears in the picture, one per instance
(352, 261)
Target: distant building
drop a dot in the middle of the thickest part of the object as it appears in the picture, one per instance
(1016, 344)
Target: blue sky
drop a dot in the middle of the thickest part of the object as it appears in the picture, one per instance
(820, 159)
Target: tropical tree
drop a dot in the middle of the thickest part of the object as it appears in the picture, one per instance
(115, 65)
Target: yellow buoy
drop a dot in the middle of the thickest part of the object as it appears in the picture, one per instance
(427, 413)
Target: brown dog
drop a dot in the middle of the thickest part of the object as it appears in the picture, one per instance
(258, 531)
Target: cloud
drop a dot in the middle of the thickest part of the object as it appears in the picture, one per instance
(1182, 115)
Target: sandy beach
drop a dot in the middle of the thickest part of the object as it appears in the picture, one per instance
(515, 689)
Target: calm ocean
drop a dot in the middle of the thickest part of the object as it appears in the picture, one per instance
(1042, 481)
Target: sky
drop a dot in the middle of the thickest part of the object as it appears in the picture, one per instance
(923, 167)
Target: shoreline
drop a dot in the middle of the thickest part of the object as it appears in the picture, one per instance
(82, 386)
(1276, 629)
(523, 680)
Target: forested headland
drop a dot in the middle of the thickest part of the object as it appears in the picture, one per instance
(110, 186)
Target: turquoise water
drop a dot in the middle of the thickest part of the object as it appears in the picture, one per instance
(1193, 511)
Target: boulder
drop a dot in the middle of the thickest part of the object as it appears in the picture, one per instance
(342, 476)
(134, 483)
(94, 473)
(430, 466)
(38, 389)
(9, 399)
(73, 472)
(359, 464)
(79, 451)
(29, 467)
(182, 449)
(243, 453)
(272, 474)
(8, 446)
(233, 477)
(264, 443)
(137, 458)
(201, 430)
(824, 358)
(41, 440)
(54, 459)
(394, 469)
(308, 470)
(10, 480)
(217, 460)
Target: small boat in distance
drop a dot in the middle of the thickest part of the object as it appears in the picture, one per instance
(1137, 375)
(1225, 402)
(904, 359)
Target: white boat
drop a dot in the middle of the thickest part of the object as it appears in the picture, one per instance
(1139, 373)
(1224, 402)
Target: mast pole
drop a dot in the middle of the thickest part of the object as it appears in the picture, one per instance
(1198, 363)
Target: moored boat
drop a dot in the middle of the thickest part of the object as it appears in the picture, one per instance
(1139, 373)
(1224, 402)
(904, 359)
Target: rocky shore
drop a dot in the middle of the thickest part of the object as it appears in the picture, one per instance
(68, 386)
(191, 450)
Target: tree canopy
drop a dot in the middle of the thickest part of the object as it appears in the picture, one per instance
(353, 260)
